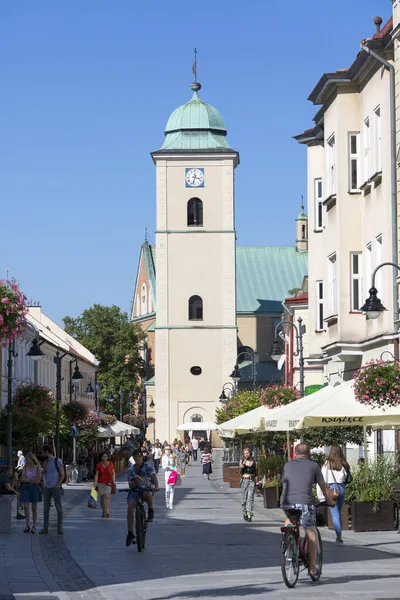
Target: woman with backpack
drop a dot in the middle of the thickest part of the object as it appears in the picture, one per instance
(336, 472)
(30, 489)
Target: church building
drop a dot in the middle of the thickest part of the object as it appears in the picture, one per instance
(205, 304)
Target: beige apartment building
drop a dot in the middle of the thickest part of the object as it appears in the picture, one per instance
(350, 216)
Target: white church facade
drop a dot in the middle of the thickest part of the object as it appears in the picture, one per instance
(201, 300)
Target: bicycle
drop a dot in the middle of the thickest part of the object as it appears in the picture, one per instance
(140, 523)
(294, 550)
(74, 474)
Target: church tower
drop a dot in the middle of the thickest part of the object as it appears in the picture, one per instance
(195, 331)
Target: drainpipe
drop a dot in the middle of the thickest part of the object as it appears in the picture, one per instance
(393, 179)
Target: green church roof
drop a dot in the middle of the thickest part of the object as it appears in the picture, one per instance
(302, 216)
(195, 125)
(265, 274)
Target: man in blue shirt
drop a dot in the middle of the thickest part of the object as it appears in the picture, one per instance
(142, 480)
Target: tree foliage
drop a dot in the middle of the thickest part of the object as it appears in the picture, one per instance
(108, 334)
(33, 416)
(242, 402)
(331, 436)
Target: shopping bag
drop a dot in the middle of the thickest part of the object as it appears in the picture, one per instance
(94, 494)
(91, 501)
(172, 479)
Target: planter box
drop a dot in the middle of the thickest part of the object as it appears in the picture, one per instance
(345, 517)
(5, 512)
(271, 497)
(322, 516)
(229, 471)
(363, 518)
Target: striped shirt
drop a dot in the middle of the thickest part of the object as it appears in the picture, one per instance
(205, 458)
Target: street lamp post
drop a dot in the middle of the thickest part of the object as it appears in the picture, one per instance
(373, 307)
(75, 378)
(231, 392)
(276, 350)
(253, 366)
(35, 353)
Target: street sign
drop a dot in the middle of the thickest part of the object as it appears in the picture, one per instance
(310, 389)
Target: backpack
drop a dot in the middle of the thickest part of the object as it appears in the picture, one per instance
(58, 469)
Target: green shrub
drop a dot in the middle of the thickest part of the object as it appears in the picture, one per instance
(373, 481)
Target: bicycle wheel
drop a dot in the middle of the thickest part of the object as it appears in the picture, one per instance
(140, 528)
(289, 560)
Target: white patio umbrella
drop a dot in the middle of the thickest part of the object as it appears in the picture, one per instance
(198, 426)
(118, 429)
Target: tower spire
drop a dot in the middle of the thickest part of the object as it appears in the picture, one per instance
(195, 86)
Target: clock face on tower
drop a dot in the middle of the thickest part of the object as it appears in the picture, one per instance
(194, 178)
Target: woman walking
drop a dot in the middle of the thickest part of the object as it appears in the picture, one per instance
(104, 480)
(182, 460)
(336, 471)
(169, 465)
(189, 450)
(206, 461)
(30, 490)
(157, 453)
(248, 469)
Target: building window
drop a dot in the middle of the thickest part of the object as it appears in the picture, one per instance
(367, 150)
(378, 261)
(195, 308)
(331, 165)
(196, 419)
(303, 232)
(354, 162)
(318, 204)
(143, 298)
(320, 305)
(195, 212)
(368, 264)
(356, 281)
(333, 309)
(377, 140)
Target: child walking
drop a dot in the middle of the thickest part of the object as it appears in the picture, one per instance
(182, 460)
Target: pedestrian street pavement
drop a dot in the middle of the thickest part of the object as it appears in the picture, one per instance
(202, 549)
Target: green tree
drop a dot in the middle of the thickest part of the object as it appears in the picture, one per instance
(33, 416)
(242, 402)
(108, 334)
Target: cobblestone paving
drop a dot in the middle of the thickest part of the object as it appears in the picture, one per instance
(202, 549)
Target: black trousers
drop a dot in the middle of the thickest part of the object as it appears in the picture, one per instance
(156, 462)
(194, 454)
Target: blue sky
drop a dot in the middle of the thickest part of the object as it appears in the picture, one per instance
(87, 88)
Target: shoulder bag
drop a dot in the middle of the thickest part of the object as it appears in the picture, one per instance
(334, 491)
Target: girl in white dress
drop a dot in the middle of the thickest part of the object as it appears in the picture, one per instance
(168, 464)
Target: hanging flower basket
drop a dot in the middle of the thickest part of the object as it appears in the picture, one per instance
(135, 420)
(75, 412)
(377, 384)
(12, 311)
(30, 397)
(278, 395)
(108, 420)
(91, 420)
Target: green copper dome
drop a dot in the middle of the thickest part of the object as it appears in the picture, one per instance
(195, 125)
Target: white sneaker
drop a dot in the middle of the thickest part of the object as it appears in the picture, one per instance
(171, 507)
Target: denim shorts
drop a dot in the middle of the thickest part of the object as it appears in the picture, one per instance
(308, 518)
(134, 495)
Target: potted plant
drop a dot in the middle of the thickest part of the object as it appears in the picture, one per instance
(271, 490)
(370, 495)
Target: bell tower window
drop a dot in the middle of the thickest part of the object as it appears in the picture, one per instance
(195, 212)
(195, 308)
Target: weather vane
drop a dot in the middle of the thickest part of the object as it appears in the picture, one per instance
(194, 67)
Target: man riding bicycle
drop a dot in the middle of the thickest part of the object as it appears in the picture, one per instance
(142, 481)
(299, 476)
